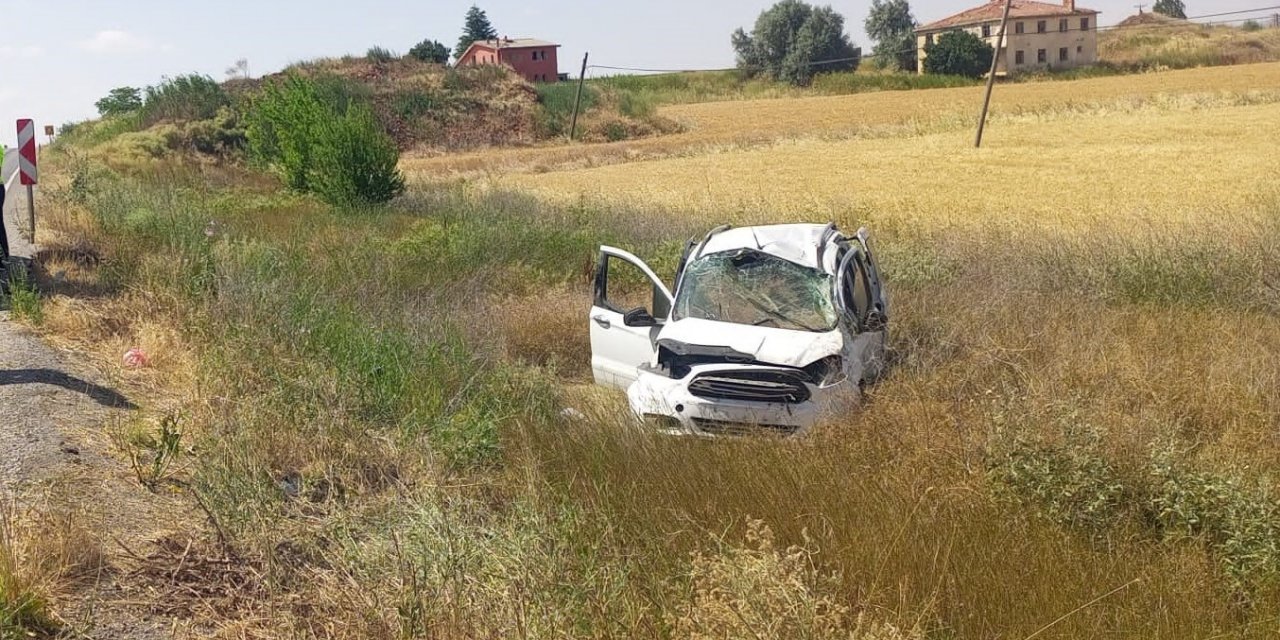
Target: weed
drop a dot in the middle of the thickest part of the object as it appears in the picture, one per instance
(152, 455)
(24, 299)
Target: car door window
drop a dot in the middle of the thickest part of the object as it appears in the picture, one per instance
(855, 287)
(621, 286)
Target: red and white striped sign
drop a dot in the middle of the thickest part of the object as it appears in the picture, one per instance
(27, 151)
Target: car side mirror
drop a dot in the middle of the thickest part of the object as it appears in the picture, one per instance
(639, 317)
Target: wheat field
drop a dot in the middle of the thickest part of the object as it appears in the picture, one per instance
(1156, 166)
(735, 124)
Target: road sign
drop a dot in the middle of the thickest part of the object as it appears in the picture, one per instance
(48, 130)
(27, 152)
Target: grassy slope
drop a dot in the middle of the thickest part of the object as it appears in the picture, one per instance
(1174, 44)
(374, 397)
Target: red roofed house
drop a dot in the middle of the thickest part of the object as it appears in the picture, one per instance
(535, 60)
(1041, 35)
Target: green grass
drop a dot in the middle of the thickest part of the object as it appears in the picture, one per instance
(649, 91)
(24, 299)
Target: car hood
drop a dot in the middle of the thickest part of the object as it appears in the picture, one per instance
(737, 342)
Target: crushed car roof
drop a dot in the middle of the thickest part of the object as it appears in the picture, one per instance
(798, 243)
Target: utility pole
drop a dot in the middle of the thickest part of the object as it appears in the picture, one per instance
(577, 100)
(991, 79)
(1140, 8)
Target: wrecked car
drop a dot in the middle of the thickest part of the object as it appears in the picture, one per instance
(766, 330)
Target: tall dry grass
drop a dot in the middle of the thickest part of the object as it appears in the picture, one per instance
(1075, 438)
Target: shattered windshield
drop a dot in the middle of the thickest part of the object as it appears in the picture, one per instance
(755, 288)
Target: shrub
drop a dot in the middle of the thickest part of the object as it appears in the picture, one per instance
(1071, 484)
(430, 51)
(1251, 26)
(378, 54)
(355, 161)
(321, 141)
(958, 53)
(280, 126)
(120, 100)
(184, 98)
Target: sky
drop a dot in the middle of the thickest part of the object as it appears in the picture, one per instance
(57, 57)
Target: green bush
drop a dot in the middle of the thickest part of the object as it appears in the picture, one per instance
(430, 51)
(323, 141)
(556, 102)
(379, 54)
(355, 160)
(183, 99)
(958, 53)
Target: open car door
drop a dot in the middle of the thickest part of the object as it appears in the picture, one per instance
(631, 304)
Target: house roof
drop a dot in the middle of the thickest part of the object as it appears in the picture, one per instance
(513, 43)
(994, 10)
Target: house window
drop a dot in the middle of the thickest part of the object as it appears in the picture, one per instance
(1062, 25)
(928, 39)
(1019, 28)
(1020, 57)
(986, 31)
(1084, 24)
(1042, 56)
(1062, 55)
(1042, 26)
(1079, 50)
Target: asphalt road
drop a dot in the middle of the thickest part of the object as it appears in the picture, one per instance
(9, 165)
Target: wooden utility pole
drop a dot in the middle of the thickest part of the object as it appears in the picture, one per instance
(577, 100)
(991, 79)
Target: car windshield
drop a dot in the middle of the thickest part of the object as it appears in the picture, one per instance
(755, 288)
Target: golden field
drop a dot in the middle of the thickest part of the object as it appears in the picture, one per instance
(732, 124)
(1181, 164)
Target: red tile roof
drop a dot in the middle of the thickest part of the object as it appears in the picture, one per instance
(993, 10)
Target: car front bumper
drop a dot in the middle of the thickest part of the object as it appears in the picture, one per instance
(668, 405)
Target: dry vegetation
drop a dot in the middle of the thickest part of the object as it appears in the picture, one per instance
(1155, 41)
(889, 114)
(1077, 439)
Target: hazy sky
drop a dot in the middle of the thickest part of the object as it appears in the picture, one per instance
(58, 56)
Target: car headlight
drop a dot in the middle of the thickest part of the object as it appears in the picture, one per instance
(827, 371)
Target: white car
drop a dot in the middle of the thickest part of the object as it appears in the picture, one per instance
(770, 329)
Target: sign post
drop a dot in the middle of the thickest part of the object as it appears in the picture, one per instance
(27, 168)
(48, 131)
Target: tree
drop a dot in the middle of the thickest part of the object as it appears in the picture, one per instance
(1171, 8)
(120, 100)
(958, 53)
(238, 70)
(430, 51)
(792, 41)
(477, 27)
(892, 26)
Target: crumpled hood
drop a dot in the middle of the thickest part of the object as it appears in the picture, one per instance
(784, 347)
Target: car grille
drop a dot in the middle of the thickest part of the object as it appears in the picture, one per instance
(722, 428)
(782, 387)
